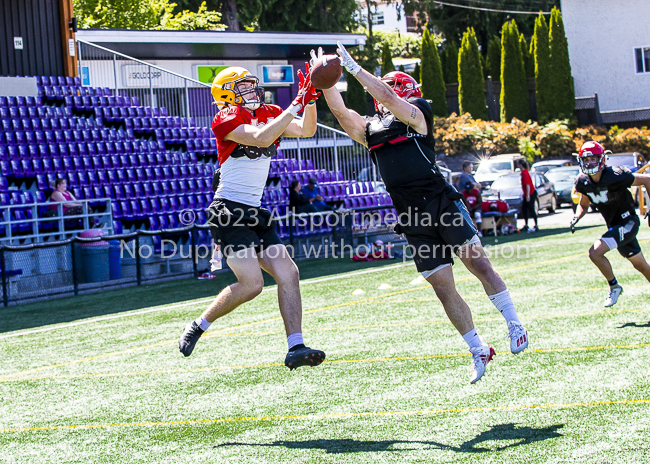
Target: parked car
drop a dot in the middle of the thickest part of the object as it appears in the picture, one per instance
(563, 178)
(508, 188)
(632, 161)
(543, 167)
(491, 168)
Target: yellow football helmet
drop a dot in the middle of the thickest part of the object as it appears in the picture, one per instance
(226, 91)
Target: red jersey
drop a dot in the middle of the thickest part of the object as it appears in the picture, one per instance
(471, 197)
(526, 180)
(228, 119)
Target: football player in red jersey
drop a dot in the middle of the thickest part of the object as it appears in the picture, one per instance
(401, 144)
(248, 132)
(607, 188)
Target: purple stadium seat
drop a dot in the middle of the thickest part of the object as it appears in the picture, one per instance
(128, 191)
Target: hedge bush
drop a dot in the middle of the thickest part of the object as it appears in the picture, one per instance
(458, 135)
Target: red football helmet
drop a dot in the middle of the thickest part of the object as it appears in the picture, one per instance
(590, 149)
(403, 84)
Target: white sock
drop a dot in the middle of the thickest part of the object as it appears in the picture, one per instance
(295, 339)
(473, 339)
(504, 304)
(201, 322)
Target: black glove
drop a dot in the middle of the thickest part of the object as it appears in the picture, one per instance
(396, 228)
(574, 221)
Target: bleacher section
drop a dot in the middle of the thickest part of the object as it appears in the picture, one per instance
(153, 166)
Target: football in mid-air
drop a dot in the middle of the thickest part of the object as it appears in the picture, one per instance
(326, 75)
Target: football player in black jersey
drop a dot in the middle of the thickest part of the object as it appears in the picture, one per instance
(401, 144)
(608, 189)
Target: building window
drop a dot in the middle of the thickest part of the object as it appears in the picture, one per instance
(642, 59)
(378, 18)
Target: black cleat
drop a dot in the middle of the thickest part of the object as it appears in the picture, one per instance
(303, 357)
(188, 339)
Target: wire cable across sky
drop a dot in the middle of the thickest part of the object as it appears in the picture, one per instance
(490, 9)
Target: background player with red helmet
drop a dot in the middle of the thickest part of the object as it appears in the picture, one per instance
(248, 132)
(401, 144)
(608, 189)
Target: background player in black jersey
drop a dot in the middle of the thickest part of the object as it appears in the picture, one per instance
(608, 189)
(401, 144)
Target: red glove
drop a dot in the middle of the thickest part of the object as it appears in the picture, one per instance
(306, 90)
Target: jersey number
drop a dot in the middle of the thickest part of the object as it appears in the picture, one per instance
(600, 198)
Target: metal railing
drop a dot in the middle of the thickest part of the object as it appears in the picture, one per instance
(332, 150)
(39, 228)
(154, 86)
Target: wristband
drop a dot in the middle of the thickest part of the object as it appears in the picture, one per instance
(294, 109)
(313, 102)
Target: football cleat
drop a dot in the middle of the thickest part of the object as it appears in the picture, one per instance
(481, 356)
(304, 356)
(614, 293)
(518, 336)
(189, 337)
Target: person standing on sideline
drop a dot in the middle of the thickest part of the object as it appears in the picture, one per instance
(528, 205)
(248, 132)
(467, 176)
(401, 144)
(608, 189)
(474, 204)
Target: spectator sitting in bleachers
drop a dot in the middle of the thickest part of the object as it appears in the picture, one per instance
(311, 190)
(70, 206)
(298, 202)
(62, 195)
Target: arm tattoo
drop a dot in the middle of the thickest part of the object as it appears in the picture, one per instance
(413, 113)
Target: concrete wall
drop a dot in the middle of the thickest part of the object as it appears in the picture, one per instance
(602, 36)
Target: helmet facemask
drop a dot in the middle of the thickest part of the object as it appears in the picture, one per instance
(250, 97)
(591, 163)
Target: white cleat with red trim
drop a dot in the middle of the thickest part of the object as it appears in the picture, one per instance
(481, 356)
(518, 336)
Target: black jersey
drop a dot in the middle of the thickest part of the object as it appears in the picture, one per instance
(402, 155)
(610, 195)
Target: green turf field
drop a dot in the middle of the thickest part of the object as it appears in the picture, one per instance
(99, 379)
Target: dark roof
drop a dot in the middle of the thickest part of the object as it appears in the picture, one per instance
(215, 45)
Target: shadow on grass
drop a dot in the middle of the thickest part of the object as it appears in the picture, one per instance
(633, 324)
(502, 432)
(59, 310)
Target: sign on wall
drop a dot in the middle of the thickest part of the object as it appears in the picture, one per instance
(85, 75)
(140, 76)
(207, 74)
(276, 74)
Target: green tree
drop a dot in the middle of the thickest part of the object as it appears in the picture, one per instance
(471, 92)
(386, 60)
(236, 14)
(416, 72)
(529, 65)
(355, 97)
(142, 14)
(514, 89)
(494, 58)
(454, 21)
(563, 103)
(308, 15)
(451, 63)
(400, 68)
(543, 95)
(433, 83)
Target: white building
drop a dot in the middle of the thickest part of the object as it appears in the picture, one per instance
(385, 17)
(609, 49)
